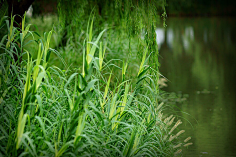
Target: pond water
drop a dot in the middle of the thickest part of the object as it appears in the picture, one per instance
(198, 57)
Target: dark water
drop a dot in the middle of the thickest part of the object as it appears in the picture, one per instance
(198, 56)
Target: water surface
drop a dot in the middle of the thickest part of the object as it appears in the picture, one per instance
(198, 56)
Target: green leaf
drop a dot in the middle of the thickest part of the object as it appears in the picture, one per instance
(50, 146)
(124, 99)
(63, 149)
(143, 60)
(69, 80)
(106, 91)
(113, 106)
(92, 51)
(80, 127)
(42, 126)
(20, 128)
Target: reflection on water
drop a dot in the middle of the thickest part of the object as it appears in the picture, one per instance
(198, 57)
(170, 37)
(160, 36)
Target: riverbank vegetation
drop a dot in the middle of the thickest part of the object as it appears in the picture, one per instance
(95, 93)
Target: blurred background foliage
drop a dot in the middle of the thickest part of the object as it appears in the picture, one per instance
(201, 7)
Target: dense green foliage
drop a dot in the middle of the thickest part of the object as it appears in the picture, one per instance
(128, 19)
(47, 111)
(87, 97)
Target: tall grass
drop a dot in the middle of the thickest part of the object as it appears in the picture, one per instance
(47, 111)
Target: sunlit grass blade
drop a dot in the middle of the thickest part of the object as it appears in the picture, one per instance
(90, 55)
(36, 68)
(124, 68)
(63, 149)
(80, 127)
(122, 106)
(20, 128)
(101, 55)
(113, 106)
(141, 67)
(106, 92)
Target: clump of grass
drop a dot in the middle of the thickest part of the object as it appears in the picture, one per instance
(47, 111)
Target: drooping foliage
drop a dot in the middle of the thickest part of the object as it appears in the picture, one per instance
(134, 18)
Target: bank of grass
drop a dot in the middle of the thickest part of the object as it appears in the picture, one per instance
(86, 111)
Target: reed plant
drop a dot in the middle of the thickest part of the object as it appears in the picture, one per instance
(86, 111)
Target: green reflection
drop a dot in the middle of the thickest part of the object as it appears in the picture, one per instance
(198, 57)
